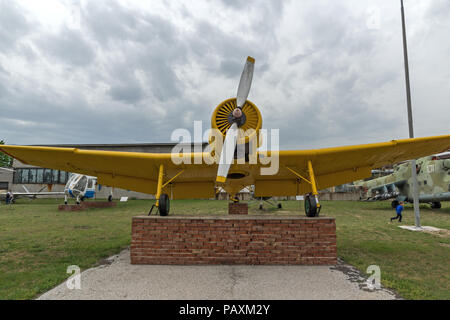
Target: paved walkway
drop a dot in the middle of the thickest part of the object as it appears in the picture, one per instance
(118, 279)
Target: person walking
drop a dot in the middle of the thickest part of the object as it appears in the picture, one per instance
(8, 197)
(399, 210)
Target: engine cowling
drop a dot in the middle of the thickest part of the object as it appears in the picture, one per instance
(221, 120)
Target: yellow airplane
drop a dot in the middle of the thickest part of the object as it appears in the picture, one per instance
(300, 172)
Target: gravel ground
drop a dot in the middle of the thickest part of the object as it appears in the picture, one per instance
(118, 279)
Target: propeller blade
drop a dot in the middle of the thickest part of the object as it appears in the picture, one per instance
(227, 154)
(245, 82)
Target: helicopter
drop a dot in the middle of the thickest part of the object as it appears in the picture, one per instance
(433, 176)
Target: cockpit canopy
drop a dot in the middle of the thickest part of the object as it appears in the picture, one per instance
(78, 183)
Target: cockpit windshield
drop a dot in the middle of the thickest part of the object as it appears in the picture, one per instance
(71, 178)
(81, 184)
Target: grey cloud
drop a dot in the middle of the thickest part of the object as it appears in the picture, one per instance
(160, 73)
(130, 92)
(297, 58)
(319, 91)
(438, 11)
(69, 46)
(144, 42)
(260, 40)
(230, 68)
(13, 25)
(108, 21)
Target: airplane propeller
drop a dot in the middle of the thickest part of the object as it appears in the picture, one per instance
(238, 119)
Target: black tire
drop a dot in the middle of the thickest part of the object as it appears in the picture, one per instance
(260, 207)
(436, 205)
(109, 198)
(82, 199)
(164, 205)
(65, 202)
(279, 206)
(394, 204)
(310, 206)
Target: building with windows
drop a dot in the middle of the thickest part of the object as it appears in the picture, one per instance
(39, 176)
(6, 178)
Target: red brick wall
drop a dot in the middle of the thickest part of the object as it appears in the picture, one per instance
(85, 205)
(233, 240)
(237, 208)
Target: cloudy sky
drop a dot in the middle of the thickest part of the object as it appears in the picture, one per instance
(327, 73)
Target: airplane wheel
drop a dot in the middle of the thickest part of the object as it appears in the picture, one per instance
(310, 206)
(65, 202)
(109, 198)
(279, 206)
(436, 205)
(82, 199)
(260, 207)
(164, 205)
(394, 204)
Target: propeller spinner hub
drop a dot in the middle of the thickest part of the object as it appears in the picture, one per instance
(237, 113)
(222, 117)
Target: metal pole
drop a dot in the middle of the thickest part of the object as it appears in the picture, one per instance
(410, 122)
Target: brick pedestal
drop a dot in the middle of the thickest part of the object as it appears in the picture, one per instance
(233, 240)
(237, 208)
(86, 205)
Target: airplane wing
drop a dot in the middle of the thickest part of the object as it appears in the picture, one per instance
(336, 166)
(139, 171)
(126, 170)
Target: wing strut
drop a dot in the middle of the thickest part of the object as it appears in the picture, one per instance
(158, 188)
(313, 183)
(160, 183)
(298, 175)
(163, 207)
(312, 205)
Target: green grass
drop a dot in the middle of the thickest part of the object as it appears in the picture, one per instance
(38, 243)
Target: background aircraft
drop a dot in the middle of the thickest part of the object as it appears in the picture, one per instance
(433, 176)
(28, 194)
(79, 187)
(300, 172)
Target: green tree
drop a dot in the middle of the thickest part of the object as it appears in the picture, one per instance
(5, 160)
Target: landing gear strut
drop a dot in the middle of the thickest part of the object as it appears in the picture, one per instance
(163, 205)
(162, 199)
(269, 201)
(312, 205)
(110, 197)
(436, 205)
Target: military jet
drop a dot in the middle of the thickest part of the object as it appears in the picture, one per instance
(433, 176)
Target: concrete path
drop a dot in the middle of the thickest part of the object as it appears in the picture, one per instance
(118, 279)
